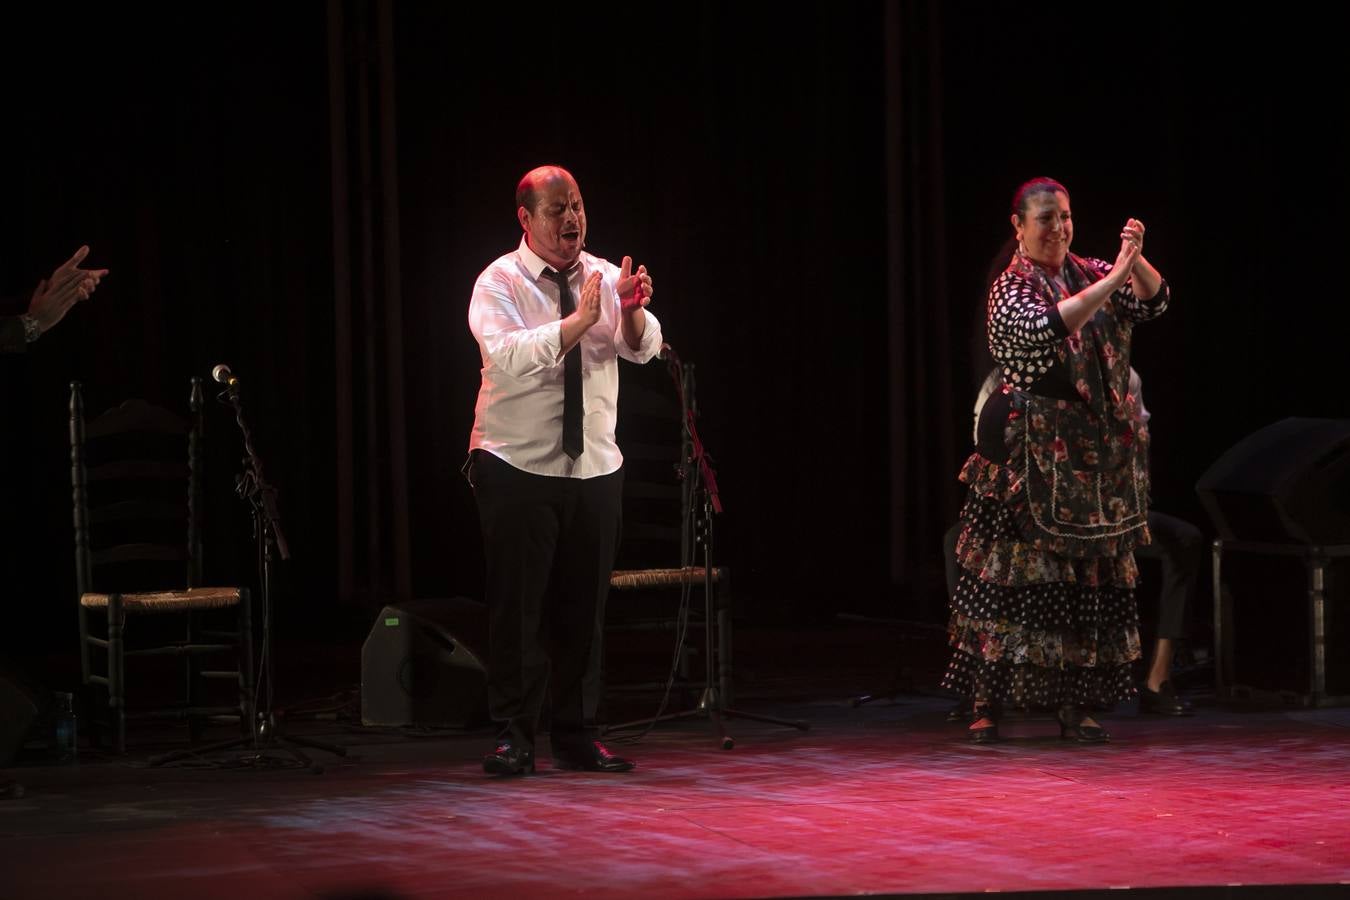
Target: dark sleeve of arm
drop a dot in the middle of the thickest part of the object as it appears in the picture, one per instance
(12, 339)
(1133, 307)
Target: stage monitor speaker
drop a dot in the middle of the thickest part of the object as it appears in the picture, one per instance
(418, 668)
(1288, 483)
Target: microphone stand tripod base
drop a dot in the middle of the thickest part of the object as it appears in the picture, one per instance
(269, 739)
(710, 706)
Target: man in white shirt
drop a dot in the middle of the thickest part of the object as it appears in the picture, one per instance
(551, 322)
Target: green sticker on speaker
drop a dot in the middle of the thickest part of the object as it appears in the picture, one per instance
(391, 623)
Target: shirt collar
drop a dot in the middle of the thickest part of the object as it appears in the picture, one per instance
(534, 264)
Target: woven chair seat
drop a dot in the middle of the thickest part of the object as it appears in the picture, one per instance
(627, 579)
(168, 601)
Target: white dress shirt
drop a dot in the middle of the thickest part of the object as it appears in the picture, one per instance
(515, 315)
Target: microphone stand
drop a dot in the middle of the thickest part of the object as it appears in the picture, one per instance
(268, 536)
(701, 500)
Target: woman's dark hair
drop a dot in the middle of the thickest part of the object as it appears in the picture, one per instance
(1035, 186)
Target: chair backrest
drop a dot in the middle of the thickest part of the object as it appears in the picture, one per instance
(651, 435)
(136, 486)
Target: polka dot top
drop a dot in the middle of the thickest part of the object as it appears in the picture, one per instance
(1026, 331)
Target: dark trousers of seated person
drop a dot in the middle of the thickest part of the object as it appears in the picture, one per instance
(1177, 544)
(549, 544)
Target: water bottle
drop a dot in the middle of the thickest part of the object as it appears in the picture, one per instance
(64, 729)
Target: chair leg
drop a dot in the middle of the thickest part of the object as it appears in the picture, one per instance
(89, 690)
(724, 669)
(192, 672)
(116, 672)
(84, 645)
(245, 650)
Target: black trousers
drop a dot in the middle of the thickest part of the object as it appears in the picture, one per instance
(549, 544)
(1177, 544)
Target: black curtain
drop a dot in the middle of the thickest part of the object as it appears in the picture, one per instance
(927, 405)
(307, 192)
(740, 157)
(190, 152)
(371, 485)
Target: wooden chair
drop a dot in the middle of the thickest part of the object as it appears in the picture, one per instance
(658, 555)
(136, 479)
(687, 524)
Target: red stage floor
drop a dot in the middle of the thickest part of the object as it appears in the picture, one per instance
(882, 799)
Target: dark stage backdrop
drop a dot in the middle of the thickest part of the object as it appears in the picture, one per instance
(307, 191)
(190, 151)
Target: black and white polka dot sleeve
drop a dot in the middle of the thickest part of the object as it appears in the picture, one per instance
(1130, 306)
(1024, 329)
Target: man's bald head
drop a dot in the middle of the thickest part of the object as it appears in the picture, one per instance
(527, 190)
(552, 215)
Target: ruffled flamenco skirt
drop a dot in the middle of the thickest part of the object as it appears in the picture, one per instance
(1037, 623)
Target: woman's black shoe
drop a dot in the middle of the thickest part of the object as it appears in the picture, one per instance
(1164, 701)
(1071, 727)
(986, 733)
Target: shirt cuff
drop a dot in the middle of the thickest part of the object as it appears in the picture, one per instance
(648, 347)
(31, 329)
(1157, 298)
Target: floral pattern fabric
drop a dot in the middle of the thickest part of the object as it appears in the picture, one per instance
(1044, 612)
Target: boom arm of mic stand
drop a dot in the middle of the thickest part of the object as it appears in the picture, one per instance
(709, 477)
(269, 505)
(266, 494)
(684, 383)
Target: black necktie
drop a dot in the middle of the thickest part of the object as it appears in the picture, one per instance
(572, 406)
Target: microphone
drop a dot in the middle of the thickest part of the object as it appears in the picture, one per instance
(223, 375)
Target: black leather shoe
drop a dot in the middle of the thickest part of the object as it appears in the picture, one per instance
(1164, 701)
(509, 759)
(589, 756)
(1071, 727)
